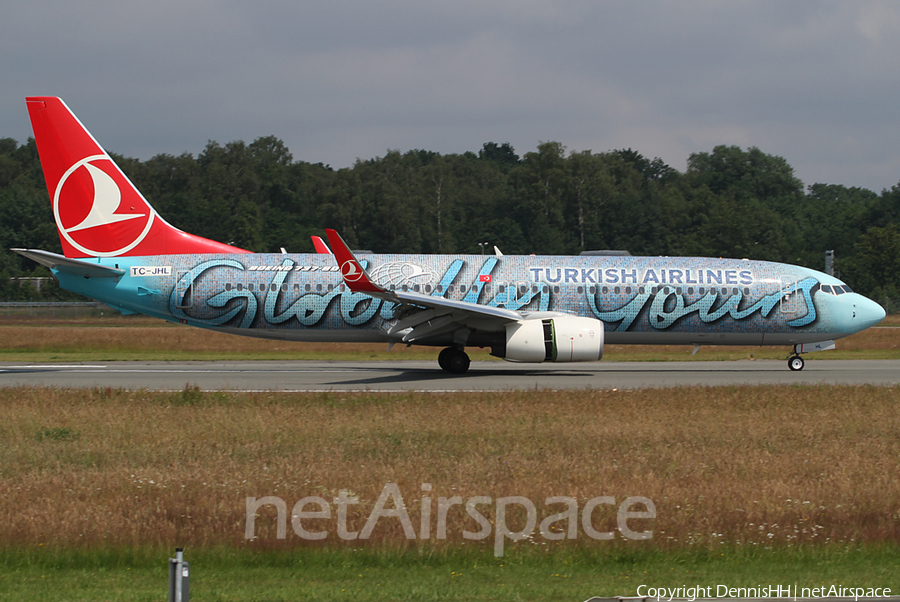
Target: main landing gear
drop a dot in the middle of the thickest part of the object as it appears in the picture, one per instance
(453, 360)
(795, 362)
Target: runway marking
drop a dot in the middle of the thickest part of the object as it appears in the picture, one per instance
(105, 370)
(391, 391)
(47, 367)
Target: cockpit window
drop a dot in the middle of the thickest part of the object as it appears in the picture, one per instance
(835, 289)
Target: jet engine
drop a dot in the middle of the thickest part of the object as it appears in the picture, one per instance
(556, 339)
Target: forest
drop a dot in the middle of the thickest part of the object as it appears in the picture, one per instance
(730, 202)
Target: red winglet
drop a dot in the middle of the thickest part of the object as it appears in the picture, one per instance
(321, 247)
(355, 277)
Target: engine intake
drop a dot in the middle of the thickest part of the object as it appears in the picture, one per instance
(561, 339)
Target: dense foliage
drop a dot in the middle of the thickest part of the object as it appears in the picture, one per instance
(729, 202)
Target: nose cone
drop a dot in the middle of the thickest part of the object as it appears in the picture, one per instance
(868, 313)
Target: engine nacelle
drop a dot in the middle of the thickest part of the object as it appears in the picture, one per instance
(557, 339)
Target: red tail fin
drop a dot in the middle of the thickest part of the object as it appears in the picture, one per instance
(98, 211)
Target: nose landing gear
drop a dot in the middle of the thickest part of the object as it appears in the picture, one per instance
(795, 362)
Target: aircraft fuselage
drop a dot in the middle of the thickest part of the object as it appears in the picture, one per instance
(640, 300)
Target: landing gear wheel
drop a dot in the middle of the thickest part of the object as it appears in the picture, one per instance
(795, 363)
(454, 361)
(444, 359)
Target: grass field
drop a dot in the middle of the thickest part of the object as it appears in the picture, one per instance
(751, 485)
(239, 576)
(41, 339)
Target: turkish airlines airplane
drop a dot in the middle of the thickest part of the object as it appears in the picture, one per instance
(118, 250)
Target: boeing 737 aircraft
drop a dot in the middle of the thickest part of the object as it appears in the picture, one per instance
(118, 250)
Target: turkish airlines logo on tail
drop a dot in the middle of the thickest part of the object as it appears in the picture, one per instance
(98, 211)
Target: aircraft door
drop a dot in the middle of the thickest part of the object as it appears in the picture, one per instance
(516, 293)
(184, 290)
(790, 298)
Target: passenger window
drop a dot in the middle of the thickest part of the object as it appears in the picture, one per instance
(250, 287)
(228, 286)
(240, 286)
(296, 288)
(580, 289)
(307, 288)
(319, 288)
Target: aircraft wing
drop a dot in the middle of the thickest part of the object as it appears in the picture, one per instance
(77, 267)
(424, 315)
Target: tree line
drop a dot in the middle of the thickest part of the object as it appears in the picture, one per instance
(730, 202)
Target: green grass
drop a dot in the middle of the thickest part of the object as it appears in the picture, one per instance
(226, 574)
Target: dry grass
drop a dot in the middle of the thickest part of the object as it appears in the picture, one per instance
(748, 466)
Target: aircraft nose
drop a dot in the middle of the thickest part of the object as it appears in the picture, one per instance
(868, 313)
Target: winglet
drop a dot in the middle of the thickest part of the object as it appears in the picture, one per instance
(321, 247)
(355, 276)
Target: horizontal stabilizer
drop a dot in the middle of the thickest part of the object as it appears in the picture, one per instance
(70, 266)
